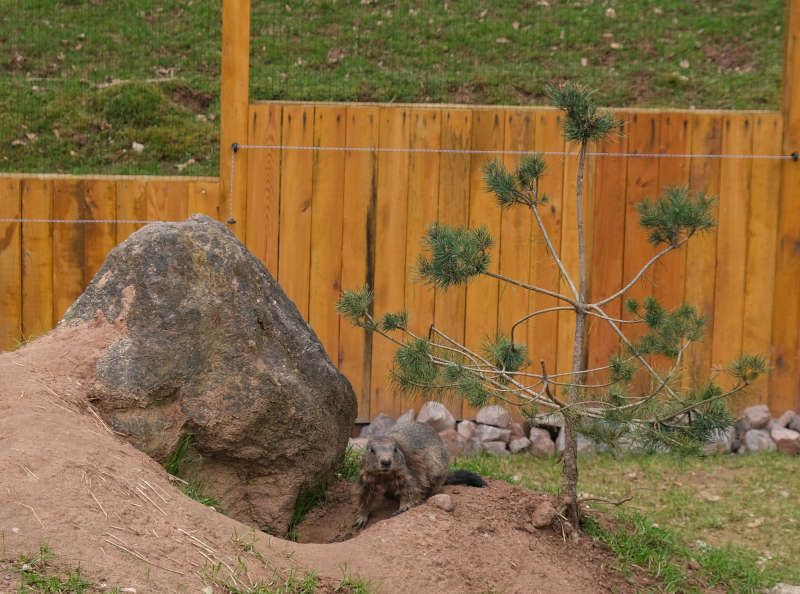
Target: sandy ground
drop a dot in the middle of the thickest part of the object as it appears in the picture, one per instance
(71, 483)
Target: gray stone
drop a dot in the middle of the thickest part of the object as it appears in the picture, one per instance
(757, 416)
(757, 440)
(494, 415)
(794, 424)
(491, 433)
(786, 418)
(541, 442)
(466, 428)
(548, 420)
(517, 445)
(453, 441)
(213, 347)
(721, 442)
(786, 440)
(517, 430)
(379, 425)
(358, 443)
(585, 445)
(496, 448)
(443, 501)
(781, 588)
(406, 417)
(472, 447)
(436, 415)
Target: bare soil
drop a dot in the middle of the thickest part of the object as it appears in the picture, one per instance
(71, 483)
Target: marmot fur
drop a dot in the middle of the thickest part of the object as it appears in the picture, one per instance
(410, 462)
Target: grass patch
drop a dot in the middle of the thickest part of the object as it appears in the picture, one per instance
(736, 515)
(182, 463)
(37, 574)
(64, 107)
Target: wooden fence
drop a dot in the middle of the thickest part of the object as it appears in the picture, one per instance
(327, 220)
(45, 266)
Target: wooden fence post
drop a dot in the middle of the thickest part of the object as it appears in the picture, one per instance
(784, 385)
(235, 101)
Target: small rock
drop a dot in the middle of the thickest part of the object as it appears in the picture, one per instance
(436, 415)
(379, 425)
(549, 420)
(466, 428)
(494, 415)
(517, 445)
(496, 448)
(693, 564)
(453, 441)
(786, 418)
(542, 444)
(794, 424)
(781, 588)
(543, 515)
(137, 147)
(491, 433)
(757, 416)
(786, 440)
(406, 417)
(585, 445)
(443, 501)
(472, 447)
(208, 590)
(757, 440)
(358, 443)
(517, 430)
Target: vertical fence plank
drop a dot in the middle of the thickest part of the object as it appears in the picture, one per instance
(423, 202)
(100, 201)
(69, 259)
(543, 329)
(263, 179)
(131, 206)
(37, 258)
(644, 130)
(514, 245)
(669, 271)
(295, 219)
(732, 243)
(204, 197)
(10, 263)
(609, 244)
(390, 247)
(453, 209)
(762, 228)
(488, 133)
(701, 250)
(330, 128)
(358, 245)
(784, 381)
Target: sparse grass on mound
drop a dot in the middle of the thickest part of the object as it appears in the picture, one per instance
(37, 572)
(65, 105)
(736, 516)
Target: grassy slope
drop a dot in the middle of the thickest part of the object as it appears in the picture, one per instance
(55, 117)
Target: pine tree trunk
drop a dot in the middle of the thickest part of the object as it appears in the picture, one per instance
(569, 477)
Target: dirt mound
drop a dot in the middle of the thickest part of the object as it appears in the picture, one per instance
(71, 483)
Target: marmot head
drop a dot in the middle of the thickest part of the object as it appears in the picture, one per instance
(383, 454)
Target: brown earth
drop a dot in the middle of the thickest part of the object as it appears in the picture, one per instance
(71, 483)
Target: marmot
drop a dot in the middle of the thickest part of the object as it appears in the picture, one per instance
(410, 462)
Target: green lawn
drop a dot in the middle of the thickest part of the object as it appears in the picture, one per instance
(737, 515)
(61, 109)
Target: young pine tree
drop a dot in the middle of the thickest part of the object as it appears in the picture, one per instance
(657, 414)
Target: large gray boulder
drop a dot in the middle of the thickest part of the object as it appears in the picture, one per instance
(214, 348)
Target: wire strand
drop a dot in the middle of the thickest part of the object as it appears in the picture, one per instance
(503, 152)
